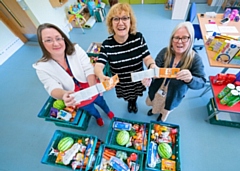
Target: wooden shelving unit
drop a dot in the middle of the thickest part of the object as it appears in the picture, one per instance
(57, 3)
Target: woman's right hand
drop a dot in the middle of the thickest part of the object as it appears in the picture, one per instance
(69, 100)
(147, 82)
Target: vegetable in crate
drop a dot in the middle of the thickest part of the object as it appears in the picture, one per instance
(65, 143)
(164, 150)
(122, 137)
(59, 104)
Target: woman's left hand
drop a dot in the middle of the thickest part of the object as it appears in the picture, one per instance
(184, 75)
(146, 82)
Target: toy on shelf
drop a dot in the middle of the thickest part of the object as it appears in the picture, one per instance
(169, 5)
(76, 16)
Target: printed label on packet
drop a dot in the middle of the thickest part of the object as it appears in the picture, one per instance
(111, 83)
(121, 126)
(118, 164)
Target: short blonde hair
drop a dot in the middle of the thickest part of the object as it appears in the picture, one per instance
(116, 10)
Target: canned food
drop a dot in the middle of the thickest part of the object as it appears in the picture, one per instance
(233, 94)
(226, 90)
(235, 101)
(238, 88)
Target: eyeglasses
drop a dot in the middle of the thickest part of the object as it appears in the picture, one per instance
(117, 19)
(58, 39)
(184, 39)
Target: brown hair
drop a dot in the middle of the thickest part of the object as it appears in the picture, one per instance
(46, 55)
(117, 9)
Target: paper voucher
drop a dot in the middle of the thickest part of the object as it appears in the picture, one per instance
(156, 72)
(89, 92)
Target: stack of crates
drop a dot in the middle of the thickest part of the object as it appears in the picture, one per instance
(80, 121)
(93, 51)
(132, 155)
(71, 151)
(163, 147)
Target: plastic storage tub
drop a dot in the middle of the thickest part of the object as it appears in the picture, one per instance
(130, 160)
(164, 138)
(80, 121)
(83, 147)
(211, 107)
(138, 134)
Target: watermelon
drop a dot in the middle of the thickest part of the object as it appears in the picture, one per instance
(59, 104)
(164, 150)
(122, 137)
(65, 143)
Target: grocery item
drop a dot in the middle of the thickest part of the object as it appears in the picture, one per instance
(59, 104)
(226, 90)
(65, 143)
(122, 137)
(229, 97)
(164, 150)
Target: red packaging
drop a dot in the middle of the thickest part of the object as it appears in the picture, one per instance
(219, 79)
(237, 83)
(230, 78)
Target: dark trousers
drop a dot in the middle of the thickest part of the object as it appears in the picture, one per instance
(93, 111)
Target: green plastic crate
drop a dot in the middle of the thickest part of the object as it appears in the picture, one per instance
(112, 134)
(99, 157)
(45, 113)
(175, 147)
(211, 107)
(50, 159)
(82, 123)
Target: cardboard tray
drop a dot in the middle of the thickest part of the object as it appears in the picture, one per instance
(175, 147)
(99, 157)
(112, 134)
(58, 135)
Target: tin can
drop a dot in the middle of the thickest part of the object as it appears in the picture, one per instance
(238, 88)
(235, 101)
(233, 94)
(226, 90)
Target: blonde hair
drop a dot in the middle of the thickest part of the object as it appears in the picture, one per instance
(116, 9)
(188, 55)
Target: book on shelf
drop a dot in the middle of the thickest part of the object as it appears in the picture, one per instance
(236, 59)
(226, 53)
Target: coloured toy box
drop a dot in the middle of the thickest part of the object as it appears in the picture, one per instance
(118, 158)
(80, 121)
(163, 147)
(128, 134)
(71, 151)
(211, 107)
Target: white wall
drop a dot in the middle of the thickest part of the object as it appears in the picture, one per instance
(6, 35)
(42, 12)
(45, 13)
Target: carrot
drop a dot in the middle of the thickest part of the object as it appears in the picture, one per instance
(107, 154)
(106, 157)
(110, 153)
(110, 150)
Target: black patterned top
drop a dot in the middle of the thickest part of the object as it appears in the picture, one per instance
(124, 59)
